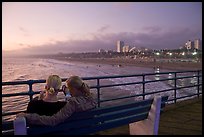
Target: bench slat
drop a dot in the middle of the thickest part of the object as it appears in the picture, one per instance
(92, 121)
(86, 114)
(106, 125)
(100, 119)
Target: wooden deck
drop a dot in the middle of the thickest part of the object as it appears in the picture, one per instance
(182, 118)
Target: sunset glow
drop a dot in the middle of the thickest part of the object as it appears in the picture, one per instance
(33, 24)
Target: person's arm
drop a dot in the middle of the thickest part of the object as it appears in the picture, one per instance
(55, 119)
(31, 107)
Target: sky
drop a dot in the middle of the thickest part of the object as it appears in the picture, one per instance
(50, 27)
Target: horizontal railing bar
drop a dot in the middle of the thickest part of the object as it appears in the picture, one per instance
(12, 113)
(184, 96)
(151, 81)
(21, 93)
(102, 86)
(134, 95)
(131, 83)
(15, 94)
(187, 77)
(37, 92)
(90, 78)
(147, 93)
(31, 82)
(189, 86)
(190, 95)
(27, 93)
(121, 84)
(22, 82)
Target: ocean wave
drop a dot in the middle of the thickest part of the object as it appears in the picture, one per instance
(42, 68)
(22, 77)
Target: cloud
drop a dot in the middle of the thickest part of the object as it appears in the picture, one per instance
(21, 44)
(171, 39)
(24, 31)
(152, 29)
(103, 28)
(24, 45)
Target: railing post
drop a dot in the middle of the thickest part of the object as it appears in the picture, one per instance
(30, 92)
(198, 82)
(143, 86)
(175, 87)
(98, 91)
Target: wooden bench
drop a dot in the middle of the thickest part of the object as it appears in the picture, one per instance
(142, 117)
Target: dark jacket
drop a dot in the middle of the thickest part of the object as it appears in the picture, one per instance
(74, 104)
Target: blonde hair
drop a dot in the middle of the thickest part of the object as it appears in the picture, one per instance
(54, 83)
(77, 82)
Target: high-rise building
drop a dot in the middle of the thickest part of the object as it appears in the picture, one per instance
(189, 44)
(126, 48)
(101, 51)
(197, 44)
(120, 45)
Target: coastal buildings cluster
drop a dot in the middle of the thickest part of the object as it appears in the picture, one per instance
(189, 45)
(190, 51)
(196, 44)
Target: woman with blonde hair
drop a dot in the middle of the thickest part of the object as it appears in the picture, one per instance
(47, 103)
(80, 100)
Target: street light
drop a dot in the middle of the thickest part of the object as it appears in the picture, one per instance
(157, 53)
(183, 53)
(194, 53)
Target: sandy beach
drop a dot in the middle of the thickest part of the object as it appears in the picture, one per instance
(139, 63)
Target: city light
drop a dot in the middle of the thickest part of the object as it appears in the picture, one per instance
(170, 54)
(194, 53)
(157, 53)
(183, 53)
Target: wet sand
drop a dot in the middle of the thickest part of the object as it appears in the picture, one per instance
(140, 63)
(113, 92)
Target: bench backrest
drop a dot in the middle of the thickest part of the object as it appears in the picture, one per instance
(100, 119)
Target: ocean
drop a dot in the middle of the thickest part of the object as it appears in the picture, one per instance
(19, 69)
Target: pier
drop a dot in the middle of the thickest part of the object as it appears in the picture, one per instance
(175, 110)
(182, 118)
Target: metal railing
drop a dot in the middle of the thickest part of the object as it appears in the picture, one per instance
(98, 86)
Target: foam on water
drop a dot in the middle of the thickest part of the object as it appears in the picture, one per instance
(26, 69)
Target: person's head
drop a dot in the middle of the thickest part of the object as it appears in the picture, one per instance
(77, 87)
(53, 84)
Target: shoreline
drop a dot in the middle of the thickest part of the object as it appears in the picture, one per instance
(138, 63)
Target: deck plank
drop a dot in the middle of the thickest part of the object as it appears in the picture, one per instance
(182, 118)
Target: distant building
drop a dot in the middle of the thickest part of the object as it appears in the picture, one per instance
(197, 44)
(101, 51)
(126, 48)
(133, 49)
(109, 51)
(189, 45)
(120, 45)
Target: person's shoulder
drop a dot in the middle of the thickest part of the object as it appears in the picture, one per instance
(79, 99)
(36, 101)
(72, 99)
(62, 102)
